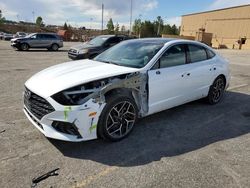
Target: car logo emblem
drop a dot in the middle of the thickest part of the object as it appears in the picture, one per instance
(28, 94)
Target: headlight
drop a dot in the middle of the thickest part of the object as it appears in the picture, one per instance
(84, 51)
(77, 94)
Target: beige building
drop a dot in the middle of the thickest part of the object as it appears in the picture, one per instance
(229, 27)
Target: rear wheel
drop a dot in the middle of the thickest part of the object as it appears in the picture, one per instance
(24, 47)
(216, 91)
(118, 118)
(54, 47)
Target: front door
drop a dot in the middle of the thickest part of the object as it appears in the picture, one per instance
(169, 80)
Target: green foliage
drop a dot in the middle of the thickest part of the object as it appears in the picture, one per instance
(153, 29)
(2, 19)
(65, 26)
(123, 29)
(117, 28)
(39, 21)
(137, 26)
(110, 26)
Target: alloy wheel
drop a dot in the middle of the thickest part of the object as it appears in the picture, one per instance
(218, 89)
(121, 119)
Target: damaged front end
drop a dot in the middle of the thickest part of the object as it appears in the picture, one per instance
(133, 83)
(77, 109)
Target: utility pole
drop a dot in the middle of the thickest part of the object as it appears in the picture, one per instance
(131, 14)
(102, 15)
(33, 14)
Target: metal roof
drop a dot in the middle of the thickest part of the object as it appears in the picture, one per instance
(216, 10)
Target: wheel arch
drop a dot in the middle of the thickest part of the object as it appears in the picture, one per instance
(132, 93)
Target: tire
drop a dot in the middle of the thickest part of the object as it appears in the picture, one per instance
(216, 91)
(54, 47)
(24, 47)
(117, 118)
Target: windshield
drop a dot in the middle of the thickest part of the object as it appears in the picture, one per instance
(98, 41)
(30, 35)
(135, 54)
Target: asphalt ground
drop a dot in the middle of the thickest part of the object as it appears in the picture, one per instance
(193, 145)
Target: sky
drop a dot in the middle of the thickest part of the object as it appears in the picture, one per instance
(87, 13)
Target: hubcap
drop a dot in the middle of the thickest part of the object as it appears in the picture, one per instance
(25, 46)
(121, 119)
(54, 47)
(218, 89)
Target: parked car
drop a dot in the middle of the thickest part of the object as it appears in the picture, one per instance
(104, 97)
(95, 46)
(50, 41)
(20, 35)
(7, 36)
(1, 35)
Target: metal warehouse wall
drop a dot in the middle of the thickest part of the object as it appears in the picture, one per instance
(227, 25)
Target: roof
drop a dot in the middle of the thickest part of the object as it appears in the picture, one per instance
(216, 10)
(154, 40)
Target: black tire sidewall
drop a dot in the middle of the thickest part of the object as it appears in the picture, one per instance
(56, 47)
(22, 47)
(111, 102)
(210, 94)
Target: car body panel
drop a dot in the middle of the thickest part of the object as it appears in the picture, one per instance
(152, 92)
(87, 50)
(38, 40)
(67, 75)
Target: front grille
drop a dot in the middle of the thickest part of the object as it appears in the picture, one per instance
(37, 105)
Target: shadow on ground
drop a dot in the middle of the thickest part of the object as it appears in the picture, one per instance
(169, 133)
(42, 50)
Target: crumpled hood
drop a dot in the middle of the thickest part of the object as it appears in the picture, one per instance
(63, 76)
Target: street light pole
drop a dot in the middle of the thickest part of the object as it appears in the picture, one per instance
(131, 14)
(102, 15)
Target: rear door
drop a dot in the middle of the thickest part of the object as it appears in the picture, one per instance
(201, 71)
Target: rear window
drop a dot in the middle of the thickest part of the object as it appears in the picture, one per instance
(210, 54)
(50, 36)
(197, 53)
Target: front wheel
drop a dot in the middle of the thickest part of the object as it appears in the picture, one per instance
(216, 91)
(118, 118)
(24, 47)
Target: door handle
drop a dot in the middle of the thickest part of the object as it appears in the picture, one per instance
(187, 74)
(158, 72)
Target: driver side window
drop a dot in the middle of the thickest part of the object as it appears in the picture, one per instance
(174, 56)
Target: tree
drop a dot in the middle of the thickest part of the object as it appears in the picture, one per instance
(159, 25)
(39, 21)
(175, 30)
(123, 29)
(110, 26)
(117, 28)
(2, 19)
(137, 26)
(147, 29)
(65, 26)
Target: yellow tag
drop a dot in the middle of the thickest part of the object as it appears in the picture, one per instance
(92, 114)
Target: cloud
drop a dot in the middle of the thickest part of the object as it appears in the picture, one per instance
(150, 5)
(218, 4)
(76, 11)
(173, 20)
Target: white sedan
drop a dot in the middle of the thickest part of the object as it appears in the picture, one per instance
(103, 98)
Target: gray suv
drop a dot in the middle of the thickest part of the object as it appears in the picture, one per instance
(50, 41)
